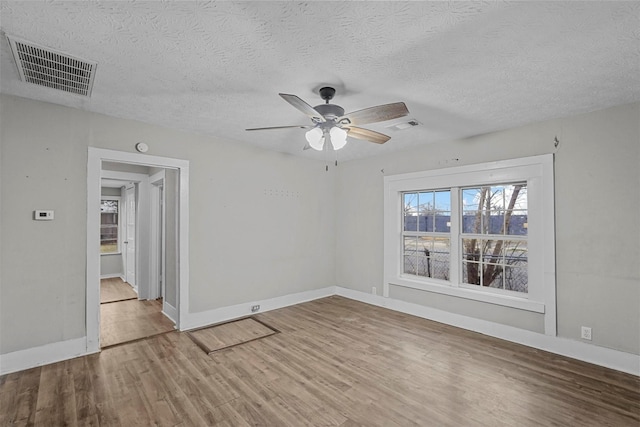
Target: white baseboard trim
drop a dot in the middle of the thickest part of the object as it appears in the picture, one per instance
(170, 311)
(42, 355)
(614, 359)
(609, 358)
(110, 276)
(223, 314)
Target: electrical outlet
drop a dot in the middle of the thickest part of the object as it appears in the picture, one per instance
(255, 308)
(374, 291)
(586, 333)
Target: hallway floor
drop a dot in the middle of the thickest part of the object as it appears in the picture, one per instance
(126, 320)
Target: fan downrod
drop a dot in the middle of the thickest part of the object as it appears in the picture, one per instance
(327, 93)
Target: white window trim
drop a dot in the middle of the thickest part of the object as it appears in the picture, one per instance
(119, 243)
(537, 171)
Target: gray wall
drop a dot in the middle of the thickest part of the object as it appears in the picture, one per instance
(124, 167)
(234, 258)
(597, 177)
(315, 229)
(110, 191)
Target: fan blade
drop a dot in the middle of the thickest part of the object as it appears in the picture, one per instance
(375, 114)
(302, 106)
(284, 127)
(367, 135)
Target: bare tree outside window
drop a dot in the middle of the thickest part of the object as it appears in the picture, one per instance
(494, 237)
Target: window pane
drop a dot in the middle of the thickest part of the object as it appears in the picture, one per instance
(477, 210)
(109, 226)
(499, 209)
(469, 222)
(425, 205)
(410, 245)
(442, 201)
(410, 207)
(440, 256)
(469, 199)
(443, 222)
(515, 253)
(470, 272)
(492, 276)
(495, 263)
(518, 222)
(515, 279)
(425, 247)
(409, 258)
(516, 205)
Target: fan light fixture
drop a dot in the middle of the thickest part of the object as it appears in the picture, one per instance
(338, 137)
(315, 138)
(330, 123)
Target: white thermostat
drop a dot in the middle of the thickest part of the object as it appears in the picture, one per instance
(43, 215)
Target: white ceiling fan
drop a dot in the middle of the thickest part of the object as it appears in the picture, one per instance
(330, 123)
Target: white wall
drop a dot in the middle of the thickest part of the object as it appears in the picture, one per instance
(266, 224)
(597, 203)
(111, 265)
(261, 222)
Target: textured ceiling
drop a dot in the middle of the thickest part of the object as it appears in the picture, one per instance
(462, 68)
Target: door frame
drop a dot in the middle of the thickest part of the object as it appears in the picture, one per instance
(95, 158)
(158, 224)
(136, 235)
(141, 184)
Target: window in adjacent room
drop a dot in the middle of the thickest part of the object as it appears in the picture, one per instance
(109, 225)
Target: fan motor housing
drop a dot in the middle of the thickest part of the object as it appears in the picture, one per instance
(330, 111)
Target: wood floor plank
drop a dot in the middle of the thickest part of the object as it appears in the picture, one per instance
(218, 337)
(335, 362)
(125, 321)
(115, 289)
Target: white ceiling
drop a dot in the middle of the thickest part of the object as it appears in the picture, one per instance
(462, 68)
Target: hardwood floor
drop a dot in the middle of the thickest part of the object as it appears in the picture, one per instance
(335, 362)
(115, 289)
(125, 321)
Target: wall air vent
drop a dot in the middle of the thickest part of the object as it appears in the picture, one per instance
(46, 67)
(406, 124)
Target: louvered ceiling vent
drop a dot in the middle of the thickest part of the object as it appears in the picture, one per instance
(45, 67)
(406, 124)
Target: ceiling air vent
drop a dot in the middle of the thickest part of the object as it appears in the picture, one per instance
(46, 67)
(404, 124)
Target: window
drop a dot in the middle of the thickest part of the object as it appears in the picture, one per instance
(426, 237)
(110, 225)
(482, 232)
(494, 237)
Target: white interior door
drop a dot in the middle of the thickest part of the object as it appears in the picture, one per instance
(130, 236)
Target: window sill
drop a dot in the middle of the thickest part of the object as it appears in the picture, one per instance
(491, 298)
(111, 253)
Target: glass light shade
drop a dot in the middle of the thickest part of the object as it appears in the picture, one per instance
(338, 137)
(315, 138)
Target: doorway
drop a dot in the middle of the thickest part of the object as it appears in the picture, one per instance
(129, 243)
(141, 255)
